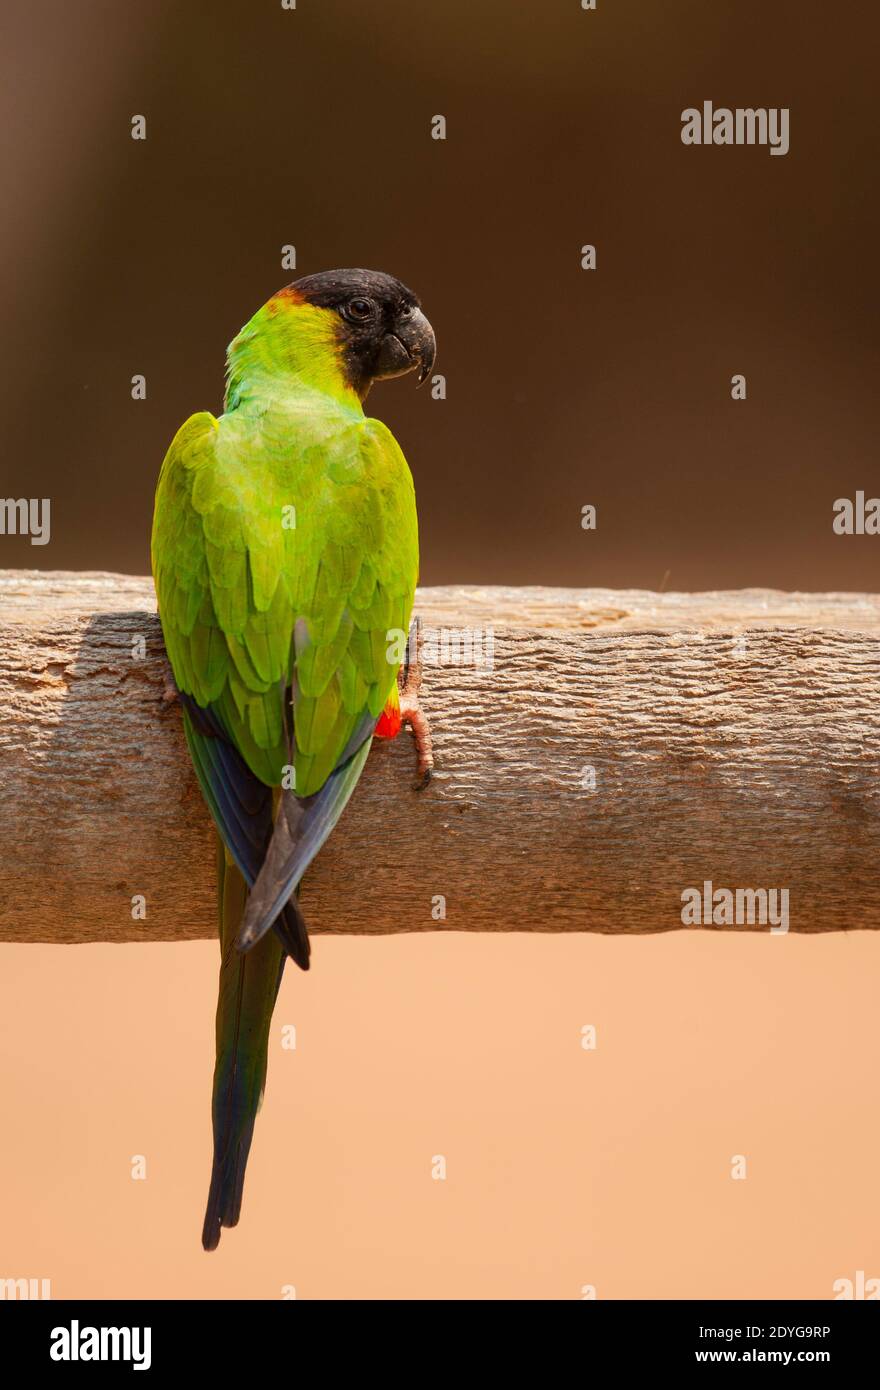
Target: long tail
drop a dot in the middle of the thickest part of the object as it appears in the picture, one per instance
(248, 990)
(302, 824)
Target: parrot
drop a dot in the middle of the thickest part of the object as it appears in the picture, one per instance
(285, 558)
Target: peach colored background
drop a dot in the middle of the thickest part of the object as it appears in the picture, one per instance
(565, 1167)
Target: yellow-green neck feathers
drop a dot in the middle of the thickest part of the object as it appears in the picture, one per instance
(288, 346)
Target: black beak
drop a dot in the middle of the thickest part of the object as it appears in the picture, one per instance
(412, 344)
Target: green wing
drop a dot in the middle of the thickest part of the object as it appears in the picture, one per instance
(283, 557)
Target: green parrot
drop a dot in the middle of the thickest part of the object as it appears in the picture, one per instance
(285, 558)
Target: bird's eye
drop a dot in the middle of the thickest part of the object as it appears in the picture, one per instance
(358, 309)
(405, 311)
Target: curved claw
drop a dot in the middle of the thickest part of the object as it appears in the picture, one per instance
(422, 782)
(170, 693)
(409, 677)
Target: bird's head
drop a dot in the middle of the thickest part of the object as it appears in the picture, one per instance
(379, 326)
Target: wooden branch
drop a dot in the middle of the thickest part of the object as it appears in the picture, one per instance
(733, 737)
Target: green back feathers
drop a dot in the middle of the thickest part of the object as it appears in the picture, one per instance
(284, 549)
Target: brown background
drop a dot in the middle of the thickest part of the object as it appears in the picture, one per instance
(264, 127)
(565, 387)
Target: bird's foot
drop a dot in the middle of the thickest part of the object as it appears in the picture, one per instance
(411, 712)
(170, 692)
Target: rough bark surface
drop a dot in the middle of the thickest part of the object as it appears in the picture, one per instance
(733, 737)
